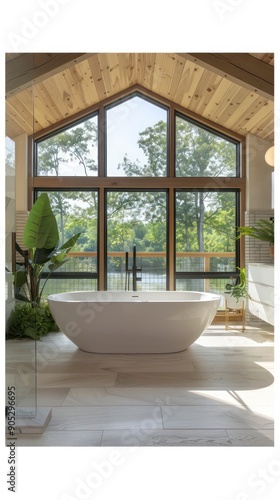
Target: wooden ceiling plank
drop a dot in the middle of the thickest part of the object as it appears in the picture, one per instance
(12, 128)
(262, 114)
(78, 86)
(22, 71)
(114, 71)
(167, 75)
(245, 110)
(105, 70)
(264, 126)
(234, 112)
(53, 88)
(216, 97)
(64, 83)
(88, 81)
(158, 72)
(21, 114)
(149, 71)
(198, 73)
(198, 96)
(54, 113)
(267, 131)
(223, 105)
(233, 104)
(208, 85)
(139, 68)
(19, 119)
(239, 68)
(167, 71)
(185, 82)
(194, 79)
(176, 77)
(26, 98)
(86, 89)
(97, 77)
(142, 70)
(71, 89)
(127, 70)
(43, 115)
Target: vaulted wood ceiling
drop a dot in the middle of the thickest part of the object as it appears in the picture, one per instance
(234, 91)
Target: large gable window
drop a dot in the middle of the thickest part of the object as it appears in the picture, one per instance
(138, 171)
(136, 138)
(71, 152)
(202, 153)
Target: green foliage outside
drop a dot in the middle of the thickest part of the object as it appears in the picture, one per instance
(205, 220)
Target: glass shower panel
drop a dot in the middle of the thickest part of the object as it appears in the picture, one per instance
(20, 351)
(21, 394)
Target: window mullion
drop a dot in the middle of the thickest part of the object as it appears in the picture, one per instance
(101, 143)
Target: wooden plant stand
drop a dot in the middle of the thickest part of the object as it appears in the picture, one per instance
(236, 314)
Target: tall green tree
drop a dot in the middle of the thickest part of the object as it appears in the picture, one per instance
(74, 148)
(199, 153)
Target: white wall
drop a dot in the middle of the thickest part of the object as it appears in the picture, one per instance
(21, 149)
(258, 174)
(10, 222)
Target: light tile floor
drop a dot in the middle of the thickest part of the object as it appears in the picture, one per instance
(219, 392)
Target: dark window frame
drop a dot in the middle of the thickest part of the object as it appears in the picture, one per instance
(214, 132)
(102, 183)
(210, 274)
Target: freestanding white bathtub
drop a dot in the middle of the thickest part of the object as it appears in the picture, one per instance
(133, 322)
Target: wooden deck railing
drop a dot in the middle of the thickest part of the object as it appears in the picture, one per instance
(205, 255)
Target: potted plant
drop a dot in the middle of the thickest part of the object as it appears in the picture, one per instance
(236, 293)
(263, 231)
(41, 238)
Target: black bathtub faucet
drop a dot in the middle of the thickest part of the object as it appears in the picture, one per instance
(134, 271)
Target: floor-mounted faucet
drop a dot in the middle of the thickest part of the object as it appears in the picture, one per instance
(134, 270)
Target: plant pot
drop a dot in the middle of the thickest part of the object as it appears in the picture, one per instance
(233, 303)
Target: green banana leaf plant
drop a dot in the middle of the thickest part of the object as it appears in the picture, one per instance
(41, 238)
(263, 231)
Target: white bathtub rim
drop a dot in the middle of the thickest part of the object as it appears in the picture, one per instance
(88, 296)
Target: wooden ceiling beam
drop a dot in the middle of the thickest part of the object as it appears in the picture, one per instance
(240, 68)
(24, 69)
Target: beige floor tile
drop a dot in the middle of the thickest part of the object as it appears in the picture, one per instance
(61, 438)
(105, 417)
(67, 380)
(219, 392)
(160, 396)
(51, 397)
(261, 437)
(138, 437)
(264, 396)
(241, 398)
(252, 379)
(125, 365)
(216, 417)
(233, 364)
